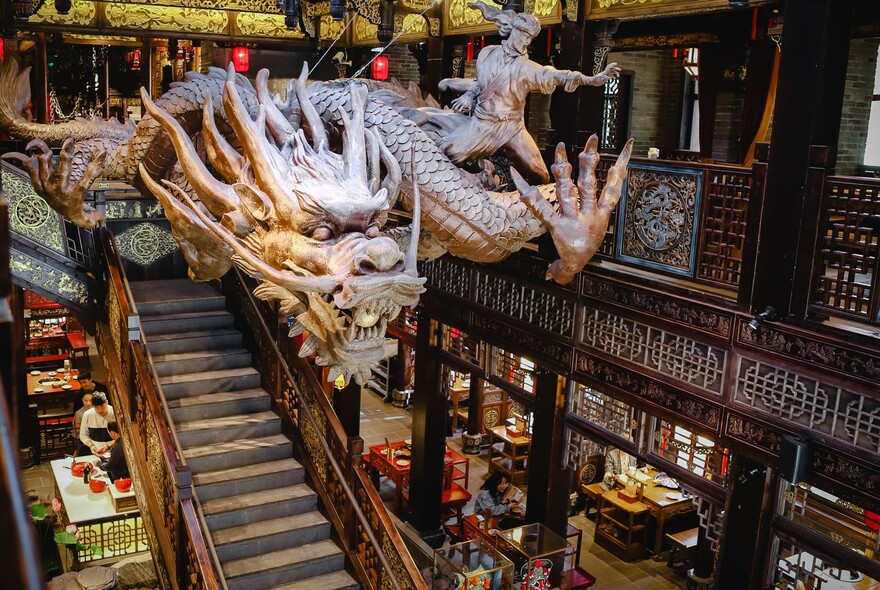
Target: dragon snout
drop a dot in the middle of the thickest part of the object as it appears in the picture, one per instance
(378, 255)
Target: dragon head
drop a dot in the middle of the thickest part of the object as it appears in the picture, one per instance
(305, 221)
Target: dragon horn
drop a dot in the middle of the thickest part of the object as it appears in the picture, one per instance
(353, 154)
(218, 197)
(316, 126)
(412, 250)
(264, 159)
(224, 159)
(372, 160)
(279, 127)
(393, 174)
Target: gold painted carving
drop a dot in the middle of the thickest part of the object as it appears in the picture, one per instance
(460, 18)
(191, 20)
(624, 8)
(365, 32)
(264, 6)
(330, 28)
(252, 24)
(81, 13)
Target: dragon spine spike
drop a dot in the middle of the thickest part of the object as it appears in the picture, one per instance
(224, 159)
(409, 266)
(257, 153)
(218, 197)
(279, 126)
(316, 126)
(393, 172)
(353, 153)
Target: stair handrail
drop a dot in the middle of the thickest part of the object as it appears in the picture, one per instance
(335, 424)
(142, 363)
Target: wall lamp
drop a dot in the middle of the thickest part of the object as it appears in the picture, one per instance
(765, 315)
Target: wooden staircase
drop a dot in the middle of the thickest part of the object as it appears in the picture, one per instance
(262, 516)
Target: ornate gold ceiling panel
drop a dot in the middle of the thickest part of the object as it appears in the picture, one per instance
(330, 29)
(460, 18)
(164, 18)
(365, 32)
(81, 13)
(597, 9)
(250, 24)
(265, 6)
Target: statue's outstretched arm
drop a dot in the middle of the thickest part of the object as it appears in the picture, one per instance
(459, 85)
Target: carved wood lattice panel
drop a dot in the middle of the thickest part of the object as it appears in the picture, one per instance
(807, 402)
(602, 410)
(577, 449)
(462, 345)
(526, 304)
(446, 276)
(681, 358)
(724, 226)
(847, 248)
(514, 369)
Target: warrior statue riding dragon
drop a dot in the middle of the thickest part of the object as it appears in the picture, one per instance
(286, 204)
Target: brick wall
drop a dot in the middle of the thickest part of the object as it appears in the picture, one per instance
(857, 96)
(403, 65)
(656, 106)
(728, 121)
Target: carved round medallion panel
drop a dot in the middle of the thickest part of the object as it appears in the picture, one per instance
(490, 418)
(31, 212)
(658, 216)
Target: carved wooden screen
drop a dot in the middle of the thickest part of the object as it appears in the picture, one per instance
(604, 411)
(462, 345)
(845, 263)
(724, 225)
(797, 568)
(693, 451)
(615, 113)
(843, 522)
(516, 370)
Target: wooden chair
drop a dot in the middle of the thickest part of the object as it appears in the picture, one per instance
(78, 344)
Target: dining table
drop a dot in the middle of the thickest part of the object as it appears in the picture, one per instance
(49, 389)
(396, 467)
(663, 503)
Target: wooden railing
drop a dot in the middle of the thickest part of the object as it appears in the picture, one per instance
(369, 537)
(179, 541)
(685, 219)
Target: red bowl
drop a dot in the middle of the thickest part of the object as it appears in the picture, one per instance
(123, 485)
(97, 485)
(78, 468)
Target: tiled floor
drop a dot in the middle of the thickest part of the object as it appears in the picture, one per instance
(379, 420)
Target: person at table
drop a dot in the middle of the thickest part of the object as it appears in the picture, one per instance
(88, 385)
(616, 463)
(93, 431)
(115, 466)
(86, 401)
(493, 500)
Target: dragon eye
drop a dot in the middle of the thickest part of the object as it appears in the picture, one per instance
(322, 233)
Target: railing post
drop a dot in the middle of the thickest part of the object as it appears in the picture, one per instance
(354, 456)
(814, 205)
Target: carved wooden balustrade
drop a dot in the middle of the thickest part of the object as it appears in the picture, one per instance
(163, 483)
(369, 537)
(685, 219)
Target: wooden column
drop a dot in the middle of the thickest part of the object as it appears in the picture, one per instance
(475, 406)
(549, 484)
(428, 437)
(347, 403)
(745, 544)
(436, 70)
(40, 93)
(815, 52)
(147, 68)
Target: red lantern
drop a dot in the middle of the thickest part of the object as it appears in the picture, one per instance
(133, 59)
(241, 59)
(380, 68)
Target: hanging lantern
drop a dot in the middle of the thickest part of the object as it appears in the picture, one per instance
(380, 68)
(133, 59)
(241, 59)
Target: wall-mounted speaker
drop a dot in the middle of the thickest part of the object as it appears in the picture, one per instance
(795, 456)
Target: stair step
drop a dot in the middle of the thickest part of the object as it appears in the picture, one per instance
(248, 479)
(226, 428)
(191, 341)
(288, 565)
(175, 296)
(187, 322)
(236, 453)
(268, 504)
(199, 361)
(340, 580)
(271, 535)
(191, 384)
(216, 405)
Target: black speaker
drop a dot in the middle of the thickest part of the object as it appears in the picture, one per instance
(795, 457)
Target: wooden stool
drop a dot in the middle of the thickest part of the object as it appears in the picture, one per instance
(592, 492)
(579, 578)
(685, 542)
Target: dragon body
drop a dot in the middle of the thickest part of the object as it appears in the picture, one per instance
(284, 203)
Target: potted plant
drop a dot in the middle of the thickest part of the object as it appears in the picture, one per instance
(71, 538)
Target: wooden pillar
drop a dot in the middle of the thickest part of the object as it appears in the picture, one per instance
(147, 68)
(40, 94)
(428, 437)
(748, 515)
(815, 52)
(548, 482)
(347, 403)
(475, 406)
(105, 85)
(436, 70)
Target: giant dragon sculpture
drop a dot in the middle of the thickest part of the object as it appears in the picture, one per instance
(285, 204)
